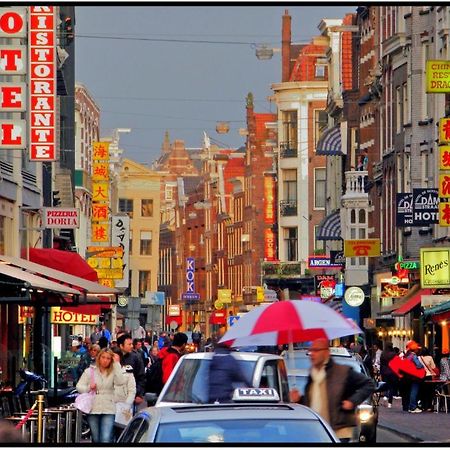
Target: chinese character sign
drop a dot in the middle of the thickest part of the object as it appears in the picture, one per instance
(100, 151)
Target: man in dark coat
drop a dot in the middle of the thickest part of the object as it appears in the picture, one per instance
(224, 373)
(387, 374)
(132, 358)
(333, 390)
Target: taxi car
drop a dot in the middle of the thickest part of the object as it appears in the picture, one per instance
(255, 415)
(188, 381)
(298, 364)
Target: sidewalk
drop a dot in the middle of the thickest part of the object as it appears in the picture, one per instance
(424, 427)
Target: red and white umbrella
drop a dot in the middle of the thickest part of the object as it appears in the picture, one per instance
(289, 321)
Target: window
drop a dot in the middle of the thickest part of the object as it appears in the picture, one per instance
(319, 187)
(126, 206)
(146, 243)
(144, 282)
(320, 124)
(290, 128)
(318, 244)
(290, 184)
(406, 111)
(147, 207)
(398, 110)
(320, 70)
(290, 240)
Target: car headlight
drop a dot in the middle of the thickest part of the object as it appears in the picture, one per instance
(364, 413)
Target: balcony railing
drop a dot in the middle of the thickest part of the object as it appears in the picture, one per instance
(288, 207)
(355, 181)
(288, 150)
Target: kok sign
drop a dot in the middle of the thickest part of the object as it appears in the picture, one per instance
(61, 218)
(438, 76)
(435, 267)
(190, 294)
(361, 247)
(42, 83)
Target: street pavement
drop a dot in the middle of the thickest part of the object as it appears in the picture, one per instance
(423, 427)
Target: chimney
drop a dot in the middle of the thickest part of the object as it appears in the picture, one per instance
(285, 46)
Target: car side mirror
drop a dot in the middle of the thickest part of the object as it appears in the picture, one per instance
(150, 398)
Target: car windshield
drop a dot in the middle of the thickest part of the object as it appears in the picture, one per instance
(190, 383)
(301, 361)
(243, 430)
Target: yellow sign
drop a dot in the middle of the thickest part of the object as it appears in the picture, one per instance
(100, 191)
(108, 282)
(110, 273)
(259, 293)
(100, 151)
(444, 214)
(100, 232)
(218, 304)
(438, 76)
(59, 315)
(444, 132)
(444, 157)
(362, 247)
(104, 252)
(100, 171)
(224, 295)
(435, 267)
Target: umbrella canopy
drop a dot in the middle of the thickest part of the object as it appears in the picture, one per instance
(287, 322)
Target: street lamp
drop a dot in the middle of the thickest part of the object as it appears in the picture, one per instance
(263, 52)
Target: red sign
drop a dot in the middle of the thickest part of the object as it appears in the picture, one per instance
(269, 200)
(42, 82)
(12, 22)
(269, 245)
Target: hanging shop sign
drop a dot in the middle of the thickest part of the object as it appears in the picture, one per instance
(61, 218)
(42, 70)
(354, 296)
(425, 206)
(61, 316)
(269, 245)
(404, 216)
(437, 76)
(120, 237)
(173, 310)
(224, 295)
(269, 199)
(362, 247)
(435, 267)
(320, 262)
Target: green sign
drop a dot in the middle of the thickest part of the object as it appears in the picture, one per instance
(410, 265)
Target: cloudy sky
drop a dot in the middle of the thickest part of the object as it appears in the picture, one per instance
(146, 72)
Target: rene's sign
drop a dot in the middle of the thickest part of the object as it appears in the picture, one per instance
(435, 267)
(42, 83)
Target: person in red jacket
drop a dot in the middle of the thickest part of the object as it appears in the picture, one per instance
(170, 355)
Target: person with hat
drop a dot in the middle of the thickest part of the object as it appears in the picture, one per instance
(412, 350)
(444, 366)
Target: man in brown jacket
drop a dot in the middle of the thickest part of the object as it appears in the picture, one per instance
(333, 390)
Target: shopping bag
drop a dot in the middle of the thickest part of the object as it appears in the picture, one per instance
(85, 402)
(124, 413)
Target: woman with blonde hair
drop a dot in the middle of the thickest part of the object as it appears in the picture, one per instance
(103, 380)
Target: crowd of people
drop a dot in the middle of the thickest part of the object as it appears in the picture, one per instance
(117, 368)
(414, 382)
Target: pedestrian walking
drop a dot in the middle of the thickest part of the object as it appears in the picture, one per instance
(104, 379)
(366, 360)
(225, 375)
(105, 332)
(88, 359)
(445, 366)
(170, 355)
(426, 389)
(412, 349)
(96, 335)
(387, 374)
(333, 390)
(130, 357)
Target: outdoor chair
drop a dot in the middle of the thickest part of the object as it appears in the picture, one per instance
(442, 397)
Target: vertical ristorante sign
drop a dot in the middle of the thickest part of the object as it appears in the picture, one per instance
(42, 82)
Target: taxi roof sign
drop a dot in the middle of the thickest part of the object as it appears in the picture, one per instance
(255, 394)
(339, 351)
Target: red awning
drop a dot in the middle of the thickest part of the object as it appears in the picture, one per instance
(218, 317)
(411, 303)
(73, 264)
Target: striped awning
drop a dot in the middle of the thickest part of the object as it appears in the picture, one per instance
(330, 227)
(330, 142)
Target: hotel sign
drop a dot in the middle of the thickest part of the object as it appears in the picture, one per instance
(61, 316)
(435, 267)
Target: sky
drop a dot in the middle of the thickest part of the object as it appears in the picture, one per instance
(150, 85)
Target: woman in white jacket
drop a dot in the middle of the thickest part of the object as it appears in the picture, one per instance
(103, 379)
